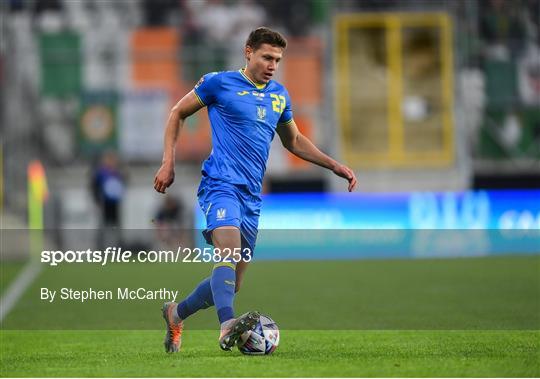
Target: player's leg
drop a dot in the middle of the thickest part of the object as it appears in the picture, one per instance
(200, 298)
(223, 210)
(223, 283)
(250, 223)
(232, 329)
(223, 215)
(241, 268)
(175, 314)
(223, 280)
(248, 240)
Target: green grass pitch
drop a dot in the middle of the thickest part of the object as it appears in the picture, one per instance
(301, 354)
(477, 317)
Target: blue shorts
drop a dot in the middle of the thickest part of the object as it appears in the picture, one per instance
(225, 204)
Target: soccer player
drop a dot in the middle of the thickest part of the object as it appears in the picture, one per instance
(246, 108)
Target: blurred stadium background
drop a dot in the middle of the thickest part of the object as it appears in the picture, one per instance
(414, 95)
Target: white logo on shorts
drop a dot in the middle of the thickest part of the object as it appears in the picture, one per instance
(221, 213)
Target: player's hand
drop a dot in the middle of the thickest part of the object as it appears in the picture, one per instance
(164, 177)
(347, 173)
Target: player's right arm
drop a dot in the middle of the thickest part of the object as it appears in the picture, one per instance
(188, 105)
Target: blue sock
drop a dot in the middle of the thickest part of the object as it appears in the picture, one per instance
(200, 298)
(223, 282)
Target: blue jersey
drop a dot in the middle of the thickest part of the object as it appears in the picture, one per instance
(243, 116)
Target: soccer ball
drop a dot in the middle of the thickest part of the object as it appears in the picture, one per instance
(264, 339)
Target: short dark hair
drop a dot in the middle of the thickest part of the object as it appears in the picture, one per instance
(265, 35)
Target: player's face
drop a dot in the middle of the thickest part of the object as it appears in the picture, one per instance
(263, 62)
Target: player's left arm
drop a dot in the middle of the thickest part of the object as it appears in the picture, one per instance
(302, 147)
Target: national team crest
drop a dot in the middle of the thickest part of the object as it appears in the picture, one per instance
(221, 212)
(261, 112)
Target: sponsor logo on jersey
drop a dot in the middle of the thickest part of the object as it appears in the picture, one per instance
(199, 82)
(242, 93)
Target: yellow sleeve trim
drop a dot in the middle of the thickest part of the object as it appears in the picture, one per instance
(286, 122)
(198, 98)
(225, 264)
